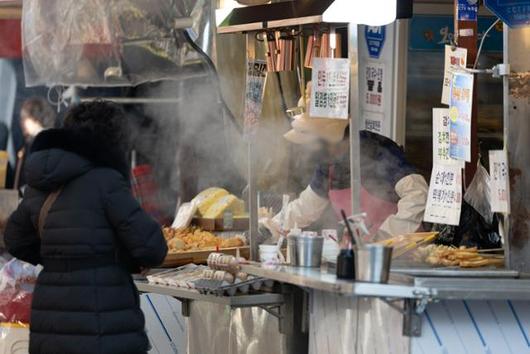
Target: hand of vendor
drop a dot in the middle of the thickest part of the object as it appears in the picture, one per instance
(268, 228)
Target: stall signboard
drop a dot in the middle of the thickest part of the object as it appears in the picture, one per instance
(330, 94)
(460, 115)
(499, 181)
(433, 33)
(454, 58)
(515, 13)
(467, 10)
(375, 40)
(444, 202)
(440, 138)
(254, 91)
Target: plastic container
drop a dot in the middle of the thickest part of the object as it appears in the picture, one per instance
(268, 253)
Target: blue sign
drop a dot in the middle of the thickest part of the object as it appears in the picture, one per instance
(515, 13)
(432, 33)
(375, 40)
(467, 10)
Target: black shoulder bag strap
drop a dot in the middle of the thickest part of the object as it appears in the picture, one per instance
(45, 209)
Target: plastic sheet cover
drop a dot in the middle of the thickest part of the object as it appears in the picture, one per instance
(110, 43)
(215, 328)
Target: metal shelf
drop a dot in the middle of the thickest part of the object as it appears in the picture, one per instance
(318, 279)
(190, 294)
(476, 288)
(400, 285)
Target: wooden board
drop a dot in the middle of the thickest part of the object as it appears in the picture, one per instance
(200, 257)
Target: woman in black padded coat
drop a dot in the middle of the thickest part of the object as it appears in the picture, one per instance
(94, 236)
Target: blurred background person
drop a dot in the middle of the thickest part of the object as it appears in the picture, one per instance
(36, 115)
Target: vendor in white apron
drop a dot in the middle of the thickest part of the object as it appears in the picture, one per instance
(392, 194)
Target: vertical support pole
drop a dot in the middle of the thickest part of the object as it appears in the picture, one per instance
(251, 172)
(355, 118)
(505, 137)
(466, 37)
(399, 81)
(518, 110)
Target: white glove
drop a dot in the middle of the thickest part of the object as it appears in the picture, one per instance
(302, 211)
(412, 191)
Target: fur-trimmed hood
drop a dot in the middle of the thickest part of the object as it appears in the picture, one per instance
(60, 155)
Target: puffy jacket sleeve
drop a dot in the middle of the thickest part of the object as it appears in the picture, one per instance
(412, 191)
(21, 238)
(140, 235)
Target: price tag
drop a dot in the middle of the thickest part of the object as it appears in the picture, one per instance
(373, 122)
(374, 99)
(499, 181)
(330, 94)
(460, 115)
(440, 138)
(444, 202)
(255, 89)
(454, 59)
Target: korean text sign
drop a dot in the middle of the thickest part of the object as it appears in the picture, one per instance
(255, 89)
(444, 202)
(460, 114)
(440, 138)
(330, 94)
(499, 181)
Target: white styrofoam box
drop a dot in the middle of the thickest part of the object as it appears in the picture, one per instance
(165, 325)
(481, 327)
(14, 339)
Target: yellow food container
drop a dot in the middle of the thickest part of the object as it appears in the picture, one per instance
(3, 168)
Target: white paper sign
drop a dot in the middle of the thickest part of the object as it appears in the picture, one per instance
(441, 138)
(454, 59)
(374, 99)
(330, 94)
(445, 195)
(255, 89)
(373, 122)
(499, 181)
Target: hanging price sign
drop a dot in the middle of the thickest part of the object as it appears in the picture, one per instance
(499, 181)
(444, 202)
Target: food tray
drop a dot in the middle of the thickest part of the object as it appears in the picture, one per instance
(216, 287)
(201, 256)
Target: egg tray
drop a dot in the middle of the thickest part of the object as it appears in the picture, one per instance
(219, 287)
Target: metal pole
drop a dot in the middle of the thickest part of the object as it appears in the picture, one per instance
(355, 119)
(505, 137)
(252, 178)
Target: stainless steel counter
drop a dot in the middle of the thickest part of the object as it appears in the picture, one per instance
(400, 285)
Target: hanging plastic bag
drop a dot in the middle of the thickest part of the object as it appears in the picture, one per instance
(17, 282)
(472, 231)
(478, 193)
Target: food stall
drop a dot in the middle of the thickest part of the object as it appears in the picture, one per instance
(433, 305)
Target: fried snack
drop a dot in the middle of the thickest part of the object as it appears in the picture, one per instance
(462, 257)
(195, 239)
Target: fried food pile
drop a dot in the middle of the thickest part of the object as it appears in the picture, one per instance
(463, 257)
(195, 239)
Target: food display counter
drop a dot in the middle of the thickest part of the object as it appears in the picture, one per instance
(411, 314)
